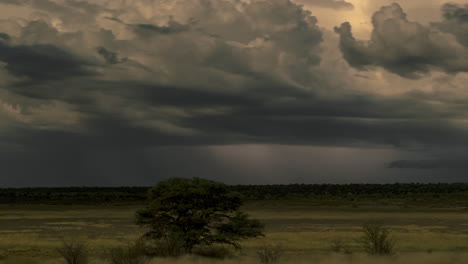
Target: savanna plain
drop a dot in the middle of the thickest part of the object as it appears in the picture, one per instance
(306, 233)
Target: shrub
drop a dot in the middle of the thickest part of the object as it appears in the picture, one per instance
(163, 247)
(74, 252)
(377, 240)
(129, 254)
(339, 246)
(218, 252)
(269, 254)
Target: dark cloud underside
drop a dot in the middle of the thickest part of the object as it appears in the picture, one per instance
(41, 62)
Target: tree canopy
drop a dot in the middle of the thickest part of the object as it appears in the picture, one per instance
(196, 212)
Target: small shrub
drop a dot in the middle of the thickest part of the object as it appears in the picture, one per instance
(339, 246)
(74, 252)
(218, 252)
(168, 247)
(269, 254)
(377, 240)
(129, 254)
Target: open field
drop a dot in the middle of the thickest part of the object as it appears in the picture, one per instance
(424, 235)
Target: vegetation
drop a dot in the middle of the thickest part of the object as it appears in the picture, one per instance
(169, 246)
(308, 228)
(128, 254)
(338, 245)
(377, 240)
(73, 195)
(270, 254)
(193, 212)
(329, 194)
(215, 252)
(74, 252)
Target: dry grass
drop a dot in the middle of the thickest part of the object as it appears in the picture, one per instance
(405, 258)
(33, 233)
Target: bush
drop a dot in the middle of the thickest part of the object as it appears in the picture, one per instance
(129, 254)
(269, 254)
(339, 246)
(165, 247)
(74, 252)
(377, 240)
(218, 252)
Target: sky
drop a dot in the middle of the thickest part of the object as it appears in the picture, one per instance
(131, 92)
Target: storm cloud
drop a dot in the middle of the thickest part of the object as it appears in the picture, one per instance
(409, 48)
(142, 88)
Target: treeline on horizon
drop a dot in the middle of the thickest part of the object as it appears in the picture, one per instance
(326, 194)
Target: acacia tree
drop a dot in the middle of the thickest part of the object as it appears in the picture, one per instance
(196, 212)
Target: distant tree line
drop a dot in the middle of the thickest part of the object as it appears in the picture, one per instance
(66, 195)
(456, 193)
(259, 192)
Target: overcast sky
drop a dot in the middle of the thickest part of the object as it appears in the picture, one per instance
(130, 92)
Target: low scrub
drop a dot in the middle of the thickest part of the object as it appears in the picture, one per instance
(217, 252)
(270, 254)
(128, 254)
(74, 252)
(338, 245)
(167, 247)
(377, 240)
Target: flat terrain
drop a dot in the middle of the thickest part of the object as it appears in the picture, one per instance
(423, 235)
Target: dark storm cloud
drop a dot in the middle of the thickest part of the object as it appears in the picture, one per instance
(335, 4)
(4, 36)
(408, 48)
(87, 93)
(455, 21)
(173, 27)
(333, 131)
(430, 164)
(42, 62)
(168, 78)
(110, 56)
(455, 12)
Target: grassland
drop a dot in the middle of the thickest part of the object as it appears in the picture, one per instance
(31, 233)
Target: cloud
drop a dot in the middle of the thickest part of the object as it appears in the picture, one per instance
(81, 81)
(4, 37)
(41, 62)
(408, 48)
(191, 77)
(432, 164)
(455, 21)
(71, 13)
(118, 65)
(110, 56)
(334, 4)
